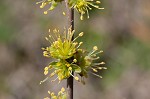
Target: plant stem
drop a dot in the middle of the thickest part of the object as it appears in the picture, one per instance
(70, 87)
(70, 14)
(70, 79)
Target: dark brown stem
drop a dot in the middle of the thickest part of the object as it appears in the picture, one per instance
(70, 79)
(70, 87)
(70, 15)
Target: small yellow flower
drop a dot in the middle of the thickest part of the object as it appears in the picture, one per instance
(62, 47)
(52, 3)
(83, 6)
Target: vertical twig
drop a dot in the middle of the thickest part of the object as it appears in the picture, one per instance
(70, 15)
(70, 79)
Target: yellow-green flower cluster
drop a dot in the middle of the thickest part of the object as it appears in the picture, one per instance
(82, 6)
(52, 3)
(69, 57)
(62, 48)
(61, 95)
(86, 61)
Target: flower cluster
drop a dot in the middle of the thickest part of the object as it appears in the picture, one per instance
(61, 95)
(53, 4)
(82, 6)
(69, 57)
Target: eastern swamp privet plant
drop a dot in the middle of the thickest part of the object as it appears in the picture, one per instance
(71, 61)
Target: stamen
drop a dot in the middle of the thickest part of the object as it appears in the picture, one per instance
(54, 79)
(45, 12)
(48, 40)
(64, 13)
(98, 63)
(79, 44)
(62, 89)
(94, 69)
(95, 48)
(81, 34)
(40, 1)
(43, 80)
(97, 75)
(45, 72)
(102, 67)
(98, 52)
(95, 58)
(65, 35)
(50, 36)
(56, 33)
(98, 2)
(88, 16)
(74, 60)
(101, 8)
(75, 77)
(49, 92)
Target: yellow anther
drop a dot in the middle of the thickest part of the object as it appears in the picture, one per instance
(50, 66)
(75, 43)
(81, 17)
(52, 94)
(70, 68)
(45, 12)
(52, 74)
(64, 13)
(45, 72)
(75, 60)
(46, 68)
(59, 93)
(43, 48)
(95, 48)
(46, 38)
(76, 78)
(98, 2)
(102, 63)
(62, 89)
(101, 51)
(81, 34)
(94, 70)
(80, 43)
(68, 65)
(49, 92)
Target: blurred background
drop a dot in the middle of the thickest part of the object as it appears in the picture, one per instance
(122, 31)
